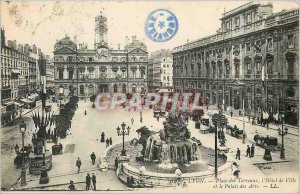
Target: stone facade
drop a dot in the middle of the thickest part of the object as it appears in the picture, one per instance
(162, 69)
(253, 58)
(101, 69)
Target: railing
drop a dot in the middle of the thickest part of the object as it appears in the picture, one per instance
(238, 9)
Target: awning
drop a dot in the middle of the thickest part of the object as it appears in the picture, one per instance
(19, 104)
(15, 71)
(9, 103)
(26, 101)
(3, 109)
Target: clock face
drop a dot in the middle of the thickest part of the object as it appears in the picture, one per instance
(102, 52)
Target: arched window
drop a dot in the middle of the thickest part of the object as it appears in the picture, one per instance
(61, 74)
(227, 68)
(214, 69)
(220, 68)
(270, 64)
(237, 68)
(81, 89)
(115, 88)
(247, 64)
(70, 58)
(124, 88)
(71, 73)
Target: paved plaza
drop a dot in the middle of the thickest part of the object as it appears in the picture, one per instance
(84, 137)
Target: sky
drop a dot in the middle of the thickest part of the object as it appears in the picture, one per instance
(44, 22)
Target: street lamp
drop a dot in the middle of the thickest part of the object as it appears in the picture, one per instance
(61, 91)
(123, 132)
(282, 155)
(23, 172)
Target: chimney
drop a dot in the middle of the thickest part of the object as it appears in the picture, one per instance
(127, 40)
(20, 48)
(14, 44)
(2, 37)
(34, 49)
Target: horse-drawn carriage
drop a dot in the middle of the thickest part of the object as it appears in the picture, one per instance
(22, 156)
(267, 141)
(159, 113)
(235, 131)
(196, 114)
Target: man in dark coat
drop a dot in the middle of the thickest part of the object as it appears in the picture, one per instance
(238, 154)
(94, 181)
(88, 182)
(102, 137)
(93, 157)
(107, 142)
(72, 186)
(248, 151)
(78, 164)
(252, 151)
(110, 141)
(231, 113)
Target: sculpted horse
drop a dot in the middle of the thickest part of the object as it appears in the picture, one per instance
(145, 133)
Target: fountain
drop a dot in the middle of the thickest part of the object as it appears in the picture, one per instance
(171, 144)
(164, 153)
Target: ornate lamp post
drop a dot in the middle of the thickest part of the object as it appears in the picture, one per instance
(123, 132)
(23, 172)
(61, 91)
(282, 155)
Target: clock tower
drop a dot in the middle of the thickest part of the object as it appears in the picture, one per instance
(100, 32)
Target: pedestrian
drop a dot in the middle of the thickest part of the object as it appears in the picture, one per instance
(94, 181)
(102, 137)
(110, 141)
(132, 120)
(93, 158)
(107, 142)
(157, 118)
(249, 118)
(60, 148)
(72, 186)
(78, 164)
(17, 148)
(116, 163)
(88, 182)
(248, 151)
(252, 151)
(267, 140)
(141, 114)
(268, 126)
(286, 130)
(231, 113)
(235, 169)
(141, 119)
(84, 112)
(238, 154)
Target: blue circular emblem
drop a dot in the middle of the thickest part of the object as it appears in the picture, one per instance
(161, 25)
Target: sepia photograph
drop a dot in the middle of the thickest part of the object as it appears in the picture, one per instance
(195, 96)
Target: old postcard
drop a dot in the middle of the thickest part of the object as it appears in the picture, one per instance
(150, 96)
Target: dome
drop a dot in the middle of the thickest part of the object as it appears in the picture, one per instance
(65, 42)
(135, 44)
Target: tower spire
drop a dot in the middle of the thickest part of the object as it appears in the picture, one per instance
(100, 31)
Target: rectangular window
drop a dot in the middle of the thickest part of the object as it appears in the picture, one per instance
(291, 41)
(248, 47)
(269, 44)
(248, 20)
(258, 67)
(61, 74)
(237, 23)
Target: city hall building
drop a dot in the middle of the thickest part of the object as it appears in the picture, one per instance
(102, 69)
(252, 60)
